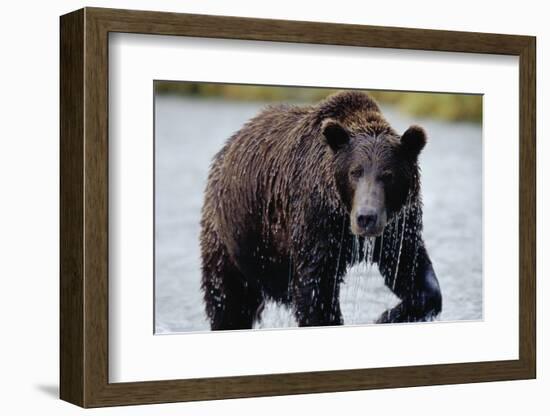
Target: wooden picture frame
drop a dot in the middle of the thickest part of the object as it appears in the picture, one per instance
(84, 207)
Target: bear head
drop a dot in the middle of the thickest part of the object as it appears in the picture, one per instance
(375, 169)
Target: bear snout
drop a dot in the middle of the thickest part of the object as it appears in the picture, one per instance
(368, 223)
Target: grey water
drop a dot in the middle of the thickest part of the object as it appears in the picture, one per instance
(188, 132)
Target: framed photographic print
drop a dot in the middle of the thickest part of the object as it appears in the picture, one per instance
(256, 207)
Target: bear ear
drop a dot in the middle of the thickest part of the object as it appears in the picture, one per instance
(335, 134)
(413, 141)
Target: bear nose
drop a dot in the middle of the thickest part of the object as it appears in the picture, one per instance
(366, 220)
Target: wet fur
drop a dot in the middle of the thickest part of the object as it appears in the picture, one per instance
(275, 220)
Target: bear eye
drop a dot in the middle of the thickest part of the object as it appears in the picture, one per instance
(386, 176)
(356, 173)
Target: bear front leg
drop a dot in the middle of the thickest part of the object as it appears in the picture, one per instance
(316, 298)
(418, 289)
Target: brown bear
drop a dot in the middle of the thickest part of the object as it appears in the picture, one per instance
(297, 196)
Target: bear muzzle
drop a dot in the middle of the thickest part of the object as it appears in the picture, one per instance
(368, 223)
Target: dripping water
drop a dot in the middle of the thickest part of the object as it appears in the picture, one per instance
(402, 231)
(404, 219)
(381, 248)
(338, 260)
(289, 288)
(366, 259)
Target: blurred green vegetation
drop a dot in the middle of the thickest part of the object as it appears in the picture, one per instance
(450, 107)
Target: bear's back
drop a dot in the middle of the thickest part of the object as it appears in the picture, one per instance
(255, 169)
(262, 147)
